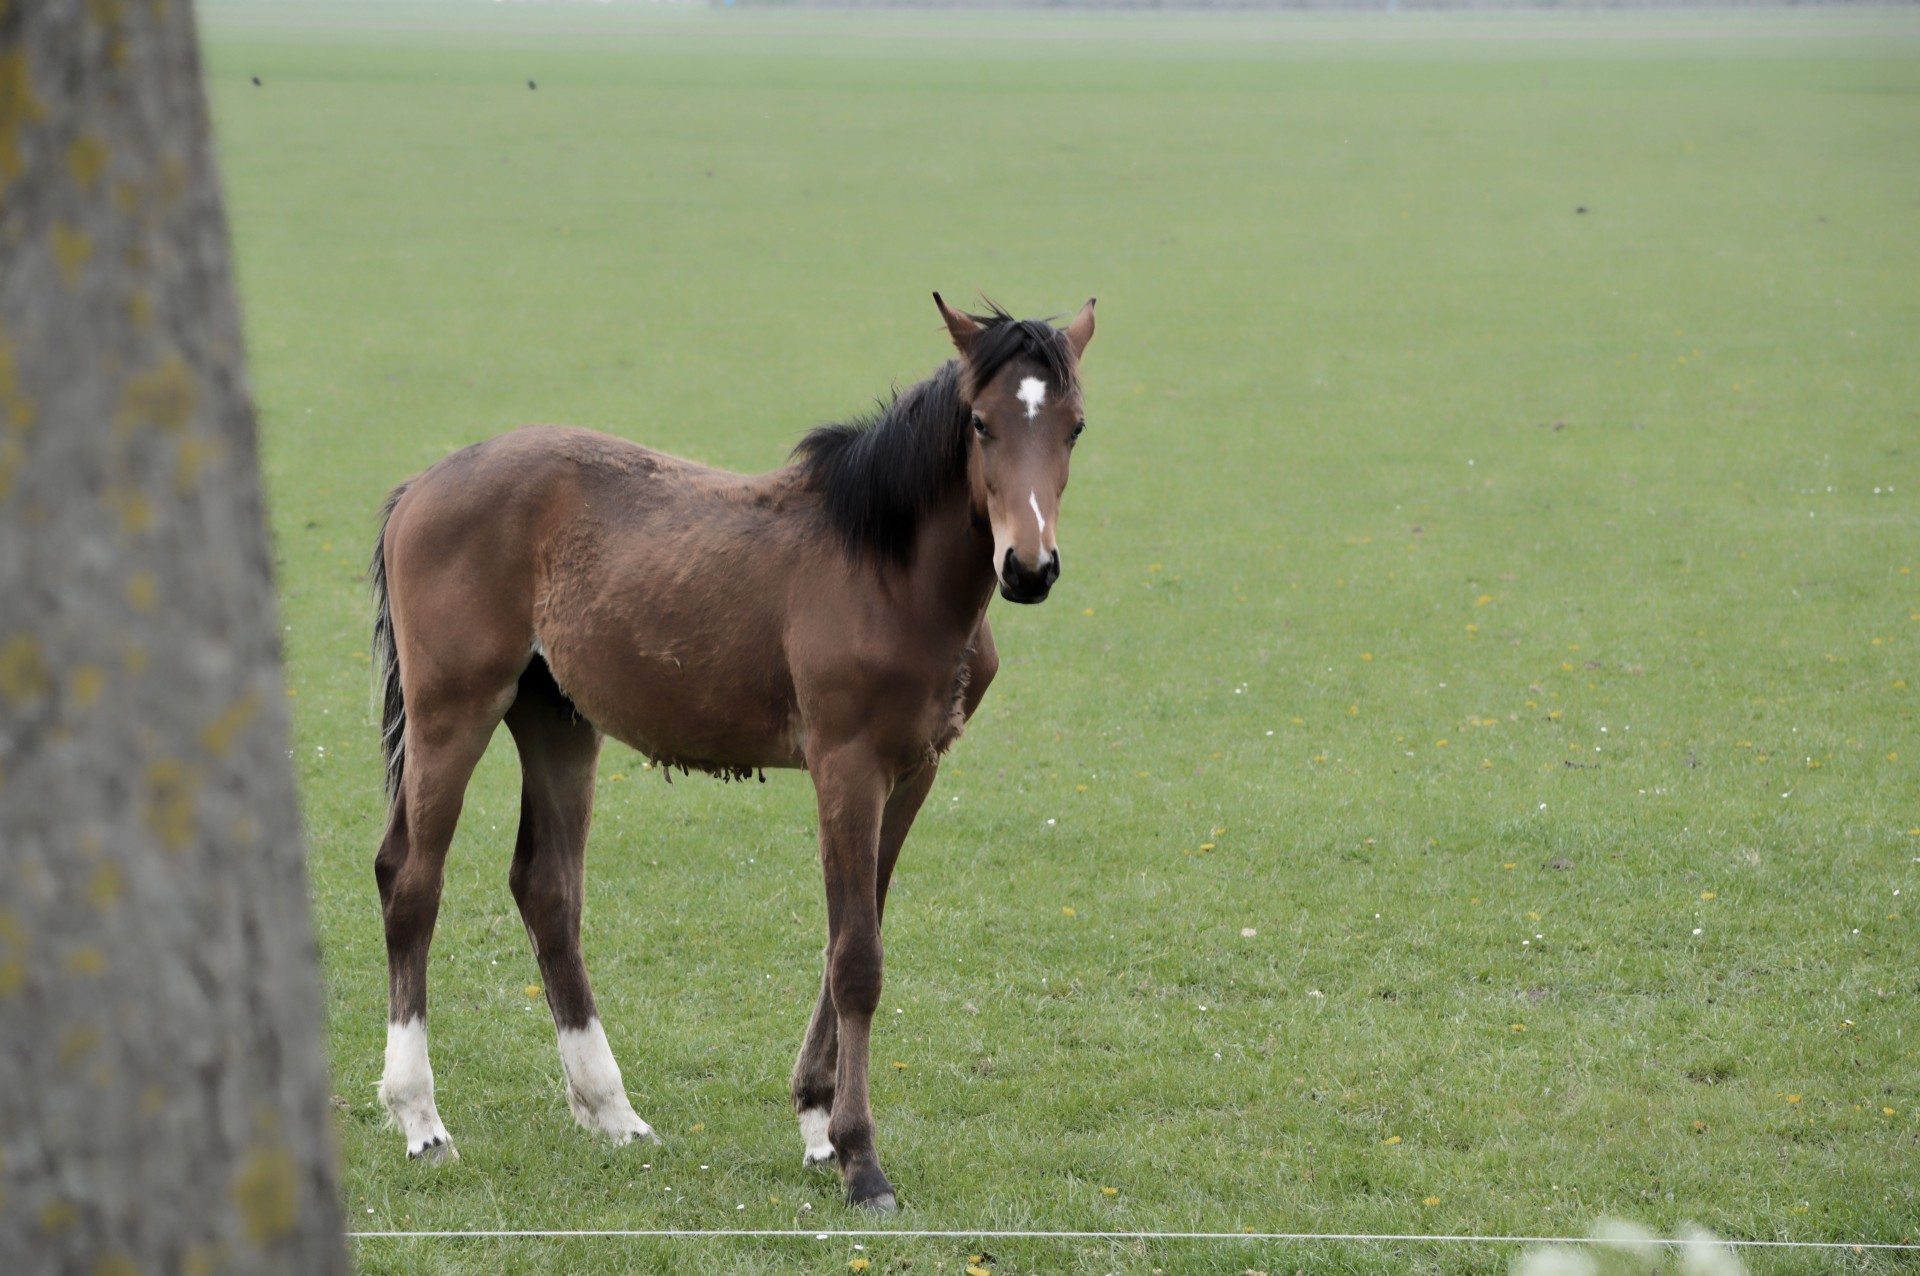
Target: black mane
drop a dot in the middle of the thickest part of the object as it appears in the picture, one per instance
(880, 475)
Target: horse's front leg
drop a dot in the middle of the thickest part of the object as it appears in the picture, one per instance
(815, 1071)
(853, 787)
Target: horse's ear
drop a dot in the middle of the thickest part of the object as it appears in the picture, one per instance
(959, 325)
(1080, 331)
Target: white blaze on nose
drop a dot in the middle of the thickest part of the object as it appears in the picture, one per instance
(1033, 500)
(1033, 393)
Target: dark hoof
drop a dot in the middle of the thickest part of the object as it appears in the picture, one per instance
(869, 1190)
(438, 1152)
(812, 1159)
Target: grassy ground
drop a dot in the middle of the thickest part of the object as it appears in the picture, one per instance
(1465, 781)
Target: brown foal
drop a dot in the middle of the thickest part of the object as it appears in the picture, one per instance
(829, 616)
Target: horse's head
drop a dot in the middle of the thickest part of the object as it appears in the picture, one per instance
(1022, 383)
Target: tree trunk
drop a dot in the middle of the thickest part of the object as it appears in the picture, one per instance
(163, 1102)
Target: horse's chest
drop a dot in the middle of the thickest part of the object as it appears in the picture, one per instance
(951, 717)
(912, 710)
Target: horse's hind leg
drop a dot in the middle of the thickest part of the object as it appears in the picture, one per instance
(442, 749)
(558, 752)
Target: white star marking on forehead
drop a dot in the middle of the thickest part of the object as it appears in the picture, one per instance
(1033, 393)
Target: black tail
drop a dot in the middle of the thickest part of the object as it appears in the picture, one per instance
(388, 703)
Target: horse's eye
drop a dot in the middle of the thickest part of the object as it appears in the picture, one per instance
(1079, 428)
(980, 426)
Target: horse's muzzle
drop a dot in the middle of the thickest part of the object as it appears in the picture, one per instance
(1022, 584)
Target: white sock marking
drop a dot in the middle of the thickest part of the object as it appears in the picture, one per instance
(595, 1091)
(813, 1130)
(1033, 499)
(1033, 393)
(406, 1087)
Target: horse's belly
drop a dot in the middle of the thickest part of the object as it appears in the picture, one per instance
(679, 711)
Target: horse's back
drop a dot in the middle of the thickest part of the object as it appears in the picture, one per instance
(511, 498)
(534, 466)
(655, 588)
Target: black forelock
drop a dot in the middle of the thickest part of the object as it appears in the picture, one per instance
(1002, 339)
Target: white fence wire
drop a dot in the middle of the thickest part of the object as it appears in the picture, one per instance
(872, 1234)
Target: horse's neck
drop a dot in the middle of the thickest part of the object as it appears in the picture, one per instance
(952, 571)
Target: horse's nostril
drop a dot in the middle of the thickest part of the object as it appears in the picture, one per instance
(1052, 570)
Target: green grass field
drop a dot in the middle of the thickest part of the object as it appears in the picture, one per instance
(1466, 780)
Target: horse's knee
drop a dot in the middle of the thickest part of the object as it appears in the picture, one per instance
(854, 965)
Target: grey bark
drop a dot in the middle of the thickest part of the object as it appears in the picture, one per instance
(163, 1101)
